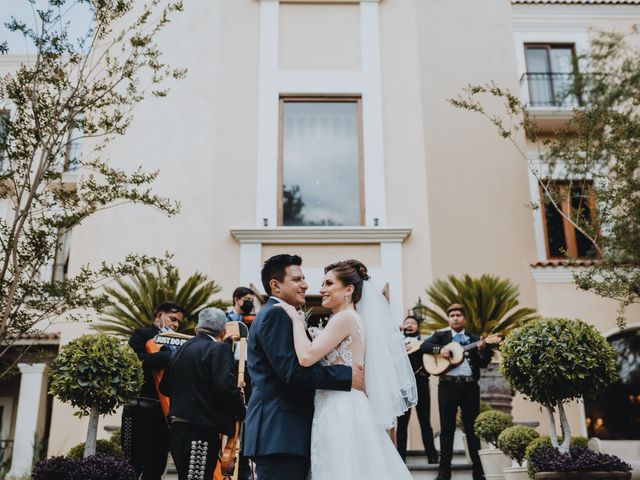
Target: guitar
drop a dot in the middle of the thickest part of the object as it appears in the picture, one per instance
(436, 364)
(230, 456)
(153, 345)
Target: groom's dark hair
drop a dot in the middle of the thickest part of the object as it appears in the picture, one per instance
(275, 268)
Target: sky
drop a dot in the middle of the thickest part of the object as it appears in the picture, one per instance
(77, 15)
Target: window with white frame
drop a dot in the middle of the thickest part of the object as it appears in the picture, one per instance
(550, 74)
(321, 164)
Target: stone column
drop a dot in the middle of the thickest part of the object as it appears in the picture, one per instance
(29, 404)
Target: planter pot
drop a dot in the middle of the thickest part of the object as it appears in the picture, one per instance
(515, 473)
(581, 475)
(493, 461)
(494, 389)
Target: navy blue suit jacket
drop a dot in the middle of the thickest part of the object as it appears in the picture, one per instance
(280, 410)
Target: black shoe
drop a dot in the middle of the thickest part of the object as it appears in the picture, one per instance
(433, 459)
(443, 476)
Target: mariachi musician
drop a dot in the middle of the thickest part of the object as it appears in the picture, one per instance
(412, 341)
(144, 427)
(205, 398)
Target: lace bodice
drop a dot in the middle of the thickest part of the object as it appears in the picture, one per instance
(342, 354)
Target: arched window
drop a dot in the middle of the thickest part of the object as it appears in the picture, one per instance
(615, 415)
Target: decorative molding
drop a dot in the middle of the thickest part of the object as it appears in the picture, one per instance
(321, 235)
(330, 1)
(552, 274)
(570, 16)
(32, 368)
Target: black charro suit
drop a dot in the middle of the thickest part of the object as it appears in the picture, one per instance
(145, 436)
(205, 402)
(423, 409)
(280, 412)
(453, 395)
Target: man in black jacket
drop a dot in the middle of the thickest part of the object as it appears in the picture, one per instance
(205, 398)
(458, 388)
(411, 330)
(144, 429)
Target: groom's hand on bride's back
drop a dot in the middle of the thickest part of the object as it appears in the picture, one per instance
(357, 378)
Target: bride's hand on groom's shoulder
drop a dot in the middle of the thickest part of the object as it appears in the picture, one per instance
(291, 311)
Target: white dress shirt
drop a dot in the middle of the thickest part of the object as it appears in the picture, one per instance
(464, 369)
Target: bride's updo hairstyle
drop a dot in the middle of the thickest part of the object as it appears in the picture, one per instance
(350, 272)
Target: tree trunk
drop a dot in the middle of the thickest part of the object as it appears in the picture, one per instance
(566, 429)
(552, 427)
(92, 432)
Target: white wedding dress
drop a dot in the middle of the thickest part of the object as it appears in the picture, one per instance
(346, 441)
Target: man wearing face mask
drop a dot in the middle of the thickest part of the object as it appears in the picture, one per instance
(242, 311)
(145, 434)
(242, 306)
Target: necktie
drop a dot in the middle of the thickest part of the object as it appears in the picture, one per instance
(461, 338)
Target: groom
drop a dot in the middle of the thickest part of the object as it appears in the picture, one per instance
(280, 412)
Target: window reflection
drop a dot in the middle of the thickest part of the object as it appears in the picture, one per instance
(321, 163)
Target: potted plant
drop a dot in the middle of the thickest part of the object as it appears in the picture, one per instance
(513, 442)
(553, 361)
(581, 463)
(488, 427)
(96, 374)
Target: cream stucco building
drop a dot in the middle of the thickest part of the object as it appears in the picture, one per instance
(347, 100)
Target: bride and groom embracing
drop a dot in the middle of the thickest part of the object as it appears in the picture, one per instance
(308, 407)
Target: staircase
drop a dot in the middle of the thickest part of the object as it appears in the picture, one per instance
(421, 470)
(416, 461)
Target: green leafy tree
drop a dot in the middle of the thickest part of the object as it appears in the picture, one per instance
(73, 89)
(132, 302)
(491, 304)
(96, 374)
(555, 360)
(595, 154)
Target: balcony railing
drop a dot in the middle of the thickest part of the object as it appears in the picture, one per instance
(551, 89)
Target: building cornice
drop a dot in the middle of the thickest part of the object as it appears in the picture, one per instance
(321, 235)
(327, 1)
(569, 17)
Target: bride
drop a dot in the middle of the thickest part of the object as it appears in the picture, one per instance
(348, 436)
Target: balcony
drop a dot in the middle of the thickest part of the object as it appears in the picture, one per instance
(551, 98)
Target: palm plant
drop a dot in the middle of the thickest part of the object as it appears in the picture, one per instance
(491, 304)
(134, 299)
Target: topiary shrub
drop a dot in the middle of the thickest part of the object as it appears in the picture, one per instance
(103, 448)
(513, 441)
(490, 424)
(554, 360)
(579, 459)
(96, 374)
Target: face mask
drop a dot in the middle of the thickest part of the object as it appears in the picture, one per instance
(246, 307)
